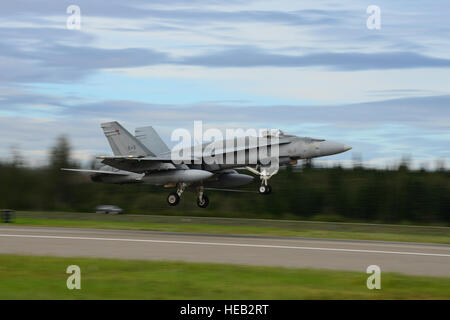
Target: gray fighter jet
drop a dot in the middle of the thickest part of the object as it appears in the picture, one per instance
(146, 159)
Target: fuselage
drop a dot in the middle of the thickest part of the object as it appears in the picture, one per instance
(287, 149)
(213, 166)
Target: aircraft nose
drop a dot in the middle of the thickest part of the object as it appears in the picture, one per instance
(346, 148)
(331, 147)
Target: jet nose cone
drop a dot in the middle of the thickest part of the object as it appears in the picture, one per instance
(330, 147)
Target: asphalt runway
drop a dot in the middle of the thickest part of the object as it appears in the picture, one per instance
(407, 258)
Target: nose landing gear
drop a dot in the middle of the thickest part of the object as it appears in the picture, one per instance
(264, 175)
(265, 189)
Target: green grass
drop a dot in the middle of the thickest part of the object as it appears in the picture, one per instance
(356, 233)
(35, 277)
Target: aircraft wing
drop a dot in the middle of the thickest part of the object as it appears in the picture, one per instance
(97, 171)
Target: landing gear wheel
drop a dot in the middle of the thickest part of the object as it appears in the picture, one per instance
(203, 203)
(173, 199)
(265, 189)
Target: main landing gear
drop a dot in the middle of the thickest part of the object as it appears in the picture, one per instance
(264, 175)
(202, 199)
(174, 198)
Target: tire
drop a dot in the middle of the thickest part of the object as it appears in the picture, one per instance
(173, 199)
(262, 189)
(265, 189)
(203, 204)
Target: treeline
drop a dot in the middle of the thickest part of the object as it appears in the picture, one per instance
(358, 194)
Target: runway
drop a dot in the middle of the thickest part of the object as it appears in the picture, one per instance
(407, 258)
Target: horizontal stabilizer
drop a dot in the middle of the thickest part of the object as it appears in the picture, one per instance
(96, 171)
(142, 159)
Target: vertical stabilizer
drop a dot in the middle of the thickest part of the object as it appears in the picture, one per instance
(149, 138)
(122, 142)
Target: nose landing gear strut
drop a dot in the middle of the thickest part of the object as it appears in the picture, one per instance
(264, 175)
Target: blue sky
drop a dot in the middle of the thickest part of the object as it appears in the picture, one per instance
(310, 68)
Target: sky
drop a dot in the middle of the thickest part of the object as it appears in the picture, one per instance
(310, 68)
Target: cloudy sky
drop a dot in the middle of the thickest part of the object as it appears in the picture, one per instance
(311, 68)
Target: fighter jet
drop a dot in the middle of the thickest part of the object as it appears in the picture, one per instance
(146, 159)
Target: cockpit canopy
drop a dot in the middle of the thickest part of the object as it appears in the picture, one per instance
(272, 133)
(312, 140)
(275, 133)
